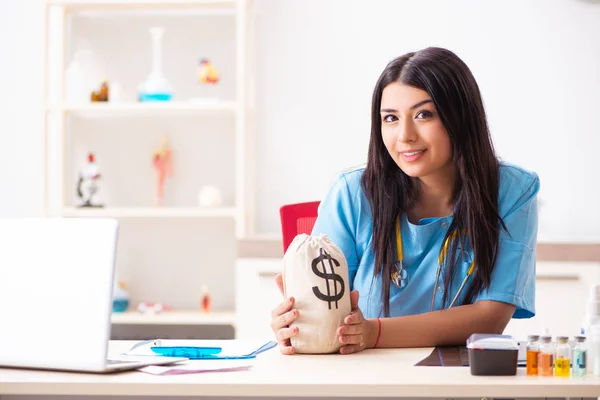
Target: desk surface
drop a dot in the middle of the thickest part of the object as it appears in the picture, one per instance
(372, 373)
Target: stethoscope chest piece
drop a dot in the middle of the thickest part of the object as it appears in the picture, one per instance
(399, 275)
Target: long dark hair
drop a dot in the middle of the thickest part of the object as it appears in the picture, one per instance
(455, 94)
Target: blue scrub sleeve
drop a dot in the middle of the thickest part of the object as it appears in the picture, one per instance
(513, 277)
(337, 220)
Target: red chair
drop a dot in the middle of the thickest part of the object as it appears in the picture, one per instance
(296, 219)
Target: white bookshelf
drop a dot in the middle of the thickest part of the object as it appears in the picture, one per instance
(143, 5)
(151, 212)
(125, 108)
(65, 122)
(56, 173)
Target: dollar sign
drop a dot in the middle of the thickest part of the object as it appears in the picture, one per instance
(329, 297)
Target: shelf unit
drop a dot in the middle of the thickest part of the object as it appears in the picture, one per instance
(240, 108)
(236, 109)
(150, 212)
(143, 5)
(126, 108)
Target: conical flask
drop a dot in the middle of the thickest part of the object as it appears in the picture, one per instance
(156, 87)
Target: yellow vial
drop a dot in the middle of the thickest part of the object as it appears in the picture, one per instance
(562, 366)
(562, 359)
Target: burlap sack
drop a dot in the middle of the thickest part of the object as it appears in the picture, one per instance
(315, 273)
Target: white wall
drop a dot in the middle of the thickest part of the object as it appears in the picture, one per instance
(21, 116)
(537, 63)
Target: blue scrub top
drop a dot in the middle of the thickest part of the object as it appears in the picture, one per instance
(345, 217)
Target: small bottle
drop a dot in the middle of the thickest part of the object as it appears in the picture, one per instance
(594, 350)
(591, 318)
(120, 297)
(205, 299)
(533, 351)
(104, 91)
(579, 357)
(562, 359)
(546, 356)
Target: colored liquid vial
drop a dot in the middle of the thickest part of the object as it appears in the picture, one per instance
(532, 362)
(579, 357)
(205, 299)
(533, 352)
(546, 357)
(562, 366)
(562, 360)
(545, 364)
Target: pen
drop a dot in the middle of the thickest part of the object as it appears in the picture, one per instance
(193, 353)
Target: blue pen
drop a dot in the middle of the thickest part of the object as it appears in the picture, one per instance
(193, 353)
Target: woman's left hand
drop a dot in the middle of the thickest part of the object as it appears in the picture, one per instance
(357, 333)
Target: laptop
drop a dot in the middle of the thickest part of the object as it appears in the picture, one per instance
(56, 288)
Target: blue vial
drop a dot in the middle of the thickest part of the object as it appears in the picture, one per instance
(579, 357)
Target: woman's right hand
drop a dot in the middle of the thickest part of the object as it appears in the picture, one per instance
(281, 318)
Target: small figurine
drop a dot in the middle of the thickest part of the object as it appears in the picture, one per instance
(163, 163)
(87, 185)
(210, 196)
(205, 299)
(207, 73)
(101, 94)
(153, 308)
(120, 297)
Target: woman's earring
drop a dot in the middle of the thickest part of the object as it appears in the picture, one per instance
(399, 275)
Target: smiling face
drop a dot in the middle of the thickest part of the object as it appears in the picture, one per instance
(413, 132)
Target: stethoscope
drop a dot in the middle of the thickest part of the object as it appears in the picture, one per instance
(400, 276)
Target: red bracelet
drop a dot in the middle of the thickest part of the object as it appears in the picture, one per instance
(378, 333)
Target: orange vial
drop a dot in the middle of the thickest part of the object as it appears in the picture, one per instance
(546, 357)
(205, 299)
(533, 352)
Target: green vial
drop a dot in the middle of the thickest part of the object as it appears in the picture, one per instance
(579, 357)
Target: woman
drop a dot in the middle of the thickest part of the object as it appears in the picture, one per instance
(433, 193)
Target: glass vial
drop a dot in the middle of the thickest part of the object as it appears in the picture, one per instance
(562, 359)
(205, 300)
(546, 356)
(579, 357)
(533, 353)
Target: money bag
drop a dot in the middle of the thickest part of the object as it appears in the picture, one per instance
(315, 273)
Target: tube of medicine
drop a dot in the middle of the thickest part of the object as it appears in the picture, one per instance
(579, 357)
(562, 358)
(533, 352)
(546, 356)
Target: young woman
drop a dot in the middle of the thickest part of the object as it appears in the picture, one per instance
(439, 235)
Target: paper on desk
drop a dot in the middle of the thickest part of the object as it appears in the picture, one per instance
(198, 366)
(230, 348)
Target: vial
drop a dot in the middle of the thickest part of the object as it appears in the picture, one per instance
(546, 356)
(579, 357)
(533, 352)
(562, 359)
(205, 300)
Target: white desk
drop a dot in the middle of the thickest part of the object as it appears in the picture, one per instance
(373, 373)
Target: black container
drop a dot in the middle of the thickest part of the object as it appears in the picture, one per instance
(492, 354)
